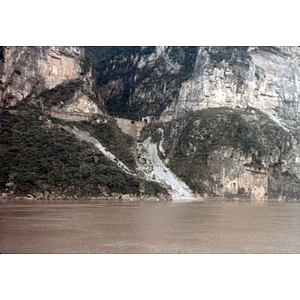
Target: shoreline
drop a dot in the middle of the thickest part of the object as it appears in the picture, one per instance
(76, 199)
(124, 199)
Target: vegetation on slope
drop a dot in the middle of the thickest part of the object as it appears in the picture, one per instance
(35, 157)
(107, 132)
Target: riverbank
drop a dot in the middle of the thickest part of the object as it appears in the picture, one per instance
(54, 198)
(42, 198)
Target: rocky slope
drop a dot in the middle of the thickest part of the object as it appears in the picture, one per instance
(151, 167)
(266, 78)
(229, 115)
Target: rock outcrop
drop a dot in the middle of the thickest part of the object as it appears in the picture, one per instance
(240, 77)
(27, 73)
(29, 70)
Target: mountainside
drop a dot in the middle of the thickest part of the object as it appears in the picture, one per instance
(217, 121)
(49, 78)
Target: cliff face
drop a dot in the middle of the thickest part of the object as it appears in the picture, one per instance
(160, 81)
(29, 72)
(167, 81)
(266, 78)
(135, 82)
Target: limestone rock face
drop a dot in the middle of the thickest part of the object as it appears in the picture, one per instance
(138, 83)
(168, 81)
(82, 104)
(60, 65)
(27, 72)
(239, 77)
(232, 177)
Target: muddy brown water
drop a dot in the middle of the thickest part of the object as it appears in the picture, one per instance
(149, 227)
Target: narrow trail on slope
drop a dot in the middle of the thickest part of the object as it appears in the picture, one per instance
(151, 167)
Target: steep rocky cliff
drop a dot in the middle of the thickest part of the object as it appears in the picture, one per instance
(266, 78)
(47, 77)
(135, 82)
(168, 81)
(225, 120)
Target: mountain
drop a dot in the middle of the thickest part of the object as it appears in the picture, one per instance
(192, 122)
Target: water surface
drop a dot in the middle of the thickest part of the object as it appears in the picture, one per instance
(149, 227)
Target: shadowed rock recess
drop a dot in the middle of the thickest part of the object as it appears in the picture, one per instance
(180, 123)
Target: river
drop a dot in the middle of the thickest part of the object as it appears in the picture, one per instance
(149, 227)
